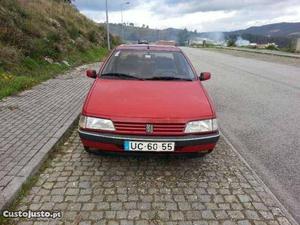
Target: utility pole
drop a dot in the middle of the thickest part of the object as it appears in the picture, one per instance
(122, 23)
(107, 27)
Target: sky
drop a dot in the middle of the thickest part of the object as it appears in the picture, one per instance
(200, 15)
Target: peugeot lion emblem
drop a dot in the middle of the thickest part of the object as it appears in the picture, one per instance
(149, 128)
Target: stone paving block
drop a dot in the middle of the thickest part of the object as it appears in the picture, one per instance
(234, 214)
(33, 128)
(122, 214)
(208, 214)
(221, 214)
(177, 215)
(193, 215)
(251, 214)
(144, 190)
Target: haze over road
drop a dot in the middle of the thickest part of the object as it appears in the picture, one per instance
(258, 105)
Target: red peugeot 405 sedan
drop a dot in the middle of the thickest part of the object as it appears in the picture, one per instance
(148, 98)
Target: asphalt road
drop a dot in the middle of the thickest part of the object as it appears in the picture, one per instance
(258, 105)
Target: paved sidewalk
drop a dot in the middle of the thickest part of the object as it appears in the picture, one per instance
(32, 123)
(144, 190)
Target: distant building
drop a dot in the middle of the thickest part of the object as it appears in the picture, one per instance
(253, 45)
(274, 45)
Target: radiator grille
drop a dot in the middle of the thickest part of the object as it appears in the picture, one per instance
(158, 128)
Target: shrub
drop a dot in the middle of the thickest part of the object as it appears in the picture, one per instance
(32, 29)
(39, 48)
(30, 63)
(73, 32)
(271, 46)
(81, 44)
(231, 43)
(54, 37)
(116, 40)
(92, 36)
(9, 56)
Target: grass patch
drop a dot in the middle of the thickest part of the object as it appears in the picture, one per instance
(32, 72)
(33, 30)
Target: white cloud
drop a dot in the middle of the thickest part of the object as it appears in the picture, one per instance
(204, 15)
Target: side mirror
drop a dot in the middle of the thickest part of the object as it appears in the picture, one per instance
(205, 76)
(91, 73)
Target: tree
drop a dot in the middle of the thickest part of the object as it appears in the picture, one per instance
(231, 43)
(183, 37)
(68, 1)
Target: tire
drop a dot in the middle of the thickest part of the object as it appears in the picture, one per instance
(92, 151)
(201, 154)
(87, 149)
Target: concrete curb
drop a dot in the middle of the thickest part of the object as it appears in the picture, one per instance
(284, 210)
(47, 112)
(8, 196)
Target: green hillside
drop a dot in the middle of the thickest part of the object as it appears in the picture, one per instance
(40, 38)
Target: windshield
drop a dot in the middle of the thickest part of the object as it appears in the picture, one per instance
(148, 65)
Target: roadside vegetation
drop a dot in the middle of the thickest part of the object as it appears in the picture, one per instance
(41, 38)
(232, 44)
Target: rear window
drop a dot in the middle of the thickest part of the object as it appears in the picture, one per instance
(149, 64)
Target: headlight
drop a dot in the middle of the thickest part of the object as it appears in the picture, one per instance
(201, 126)
(96, 123)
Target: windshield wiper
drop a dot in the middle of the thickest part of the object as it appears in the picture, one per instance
(168, 78)
(120, 75)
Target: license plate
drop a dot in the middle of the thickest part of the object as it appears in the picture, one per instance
(149, 146)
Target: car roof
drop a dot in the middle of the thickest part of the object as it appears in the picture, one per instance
(152, 47)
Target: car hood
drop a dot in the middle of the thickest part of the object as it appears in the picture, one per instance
(166, 100)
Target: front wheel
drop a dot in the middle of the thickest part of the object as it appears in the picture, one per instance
(87, 149)
(202, 154)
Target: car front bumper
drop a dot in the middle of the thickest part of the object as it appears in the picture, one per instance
(115, 142)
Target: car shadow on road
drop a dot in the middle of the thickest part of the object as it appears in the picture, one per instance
(147, 155)
(148, 170)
